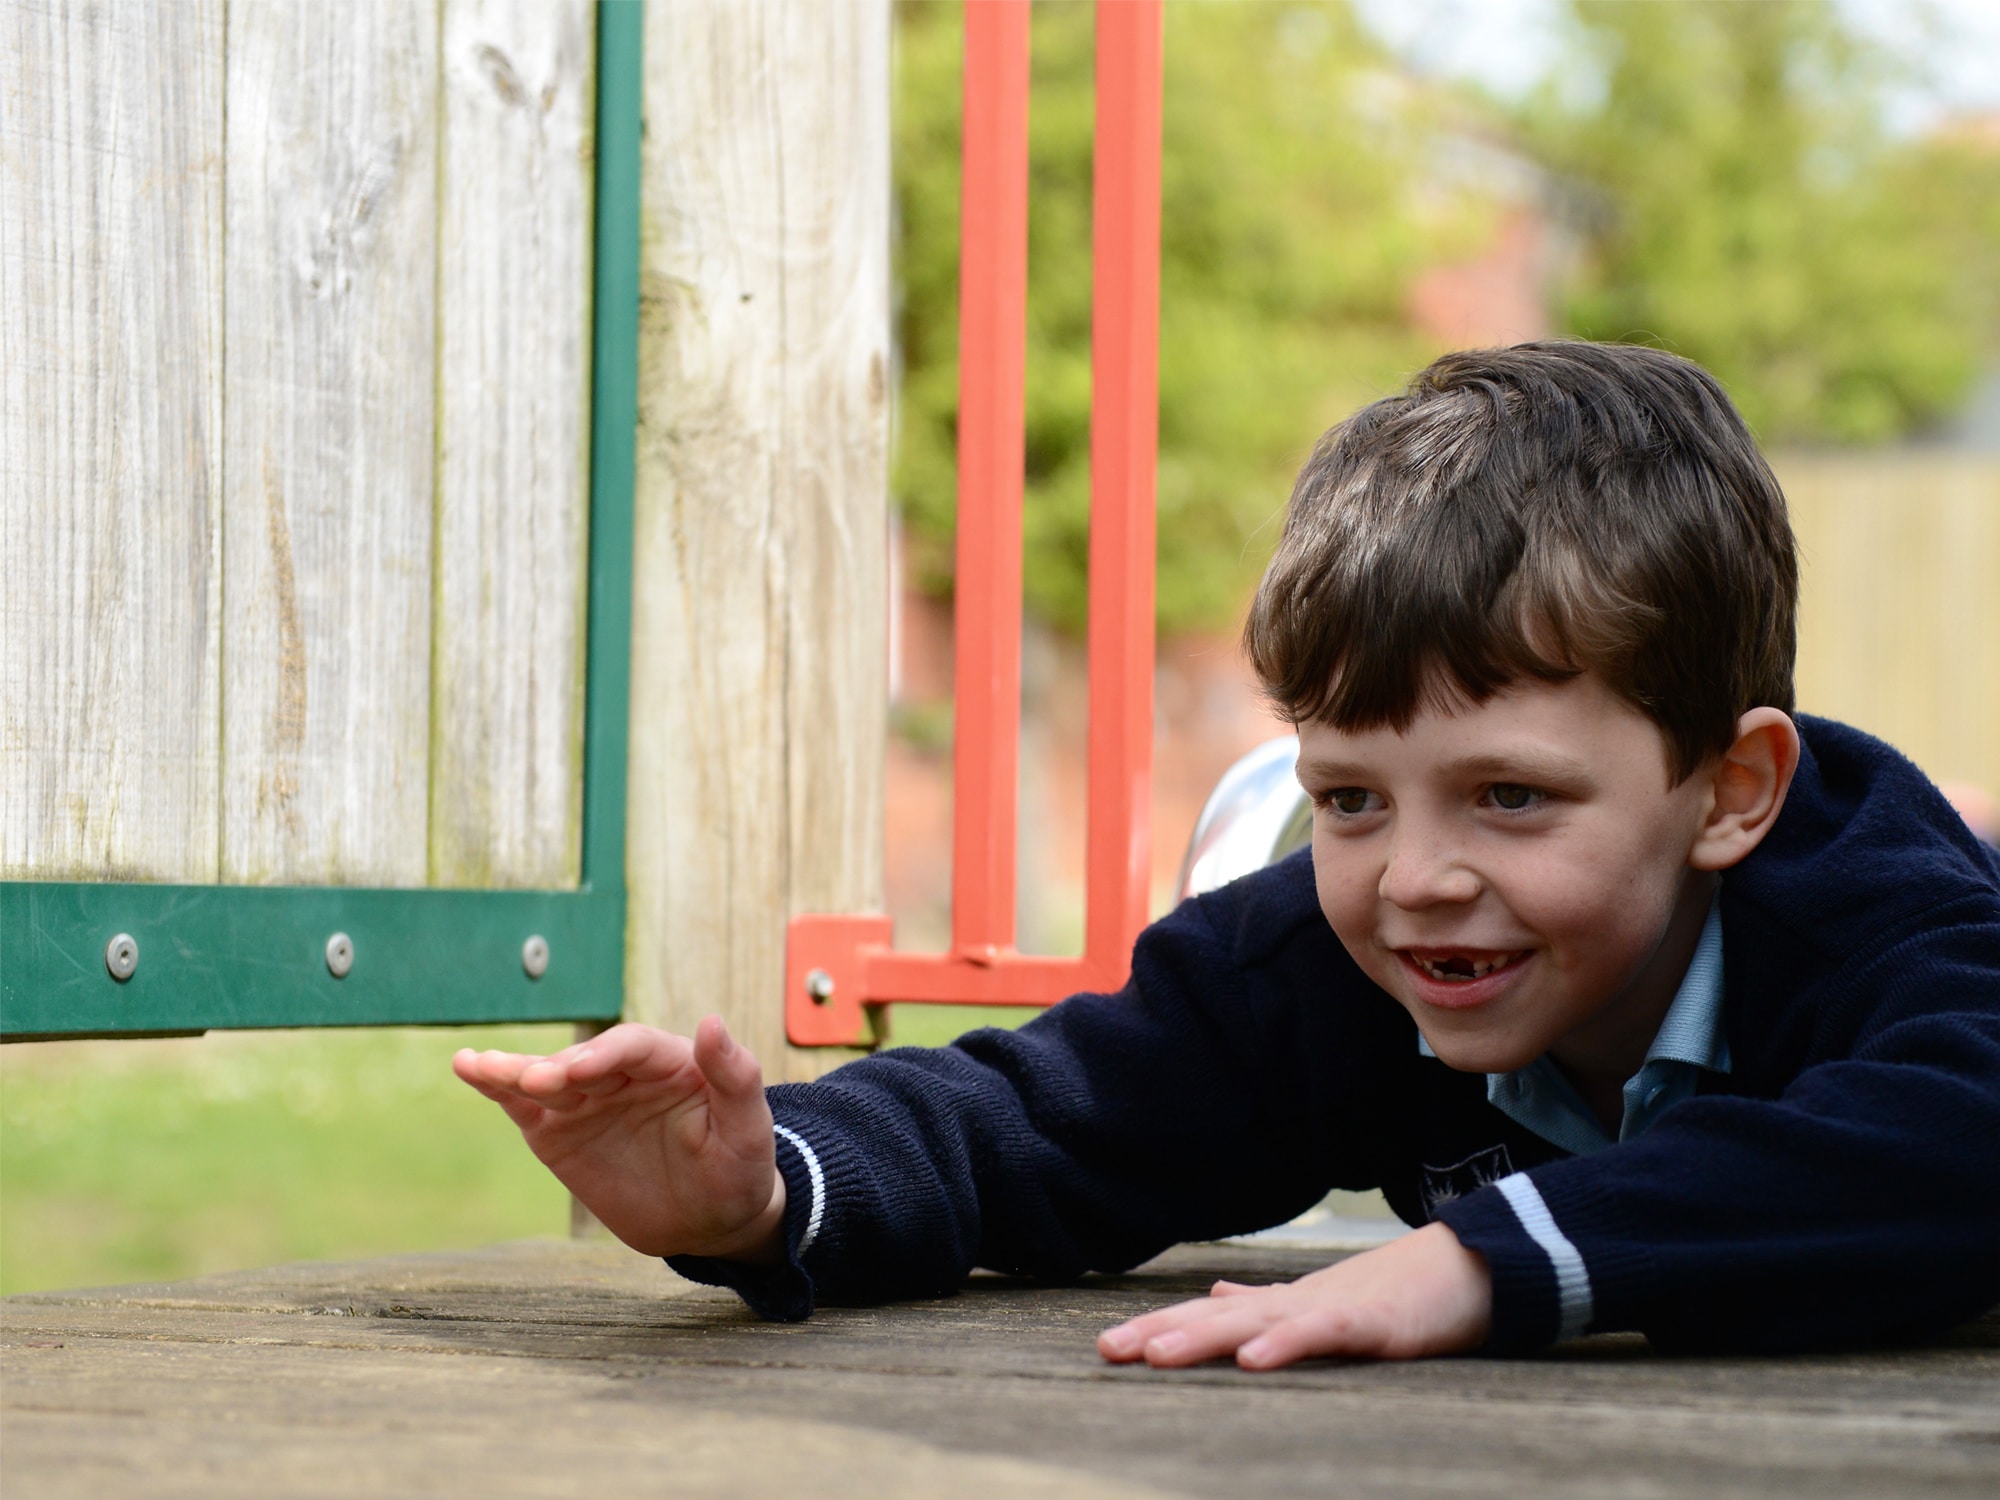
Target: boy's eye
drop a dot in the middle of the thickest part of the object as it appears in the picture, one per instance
(1512, 798)
(1349, 801)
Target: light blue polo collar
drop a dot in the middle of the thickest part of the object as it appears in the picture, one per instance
(1690, 1040)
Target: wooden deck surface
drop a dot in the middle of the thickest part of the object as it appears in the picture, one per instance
(550, 1368)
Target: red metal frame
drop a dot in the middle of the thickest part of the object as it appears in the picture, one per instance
(836, 965)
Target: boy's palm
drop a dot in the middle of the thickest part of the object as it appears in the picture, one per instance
(666, 1139)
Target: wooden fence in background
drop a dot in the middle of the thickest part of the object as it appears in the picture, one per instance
(1899, 623)
(294, 336)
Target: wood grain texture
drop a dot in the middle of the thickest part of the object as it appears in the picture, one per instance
(513, 443)
(541, 1369)
(1899, 624)
(111, 131)
(759, 698)
(329, 382)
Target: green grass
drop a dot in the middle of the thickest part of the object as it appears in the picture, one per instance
(149, 1160)
(934, 1025)
(141, 1160)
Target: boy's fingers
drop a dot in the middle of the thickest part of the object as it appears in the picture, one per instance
(728, 1065)
(1232, 1289)
(544, 1078)
(497, 1069)
(1131, 1340)
(1240, 1319)
(491, 1091)
(537, 1082)
(736, 1104)
(574, 1075)
(627, 1051)
(523, 1112)
(1128, 1340)
(465, 1067)
(1314, 1332)
(724, 1061)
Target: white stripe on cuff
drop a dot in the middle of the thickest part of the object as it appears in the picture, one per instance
(819, 1187)
(1572, 1278)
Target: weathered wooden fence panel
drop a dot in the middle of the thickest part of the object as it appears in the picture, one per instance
(329, 382)
(111, 307)
(1899, 627)
(513, 416)
(294, 336)
(759, 676)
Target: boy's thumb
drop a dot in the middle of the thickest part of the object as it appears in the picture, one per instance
(728, 1066)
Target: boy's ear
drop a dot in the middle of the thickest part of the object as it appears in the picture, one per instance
(1746, 789)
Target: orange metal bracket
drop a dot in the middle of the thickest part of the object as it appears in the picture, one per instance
(837, 965)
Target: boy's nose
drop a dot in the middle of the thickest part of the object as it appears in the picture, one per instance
(1425, 872)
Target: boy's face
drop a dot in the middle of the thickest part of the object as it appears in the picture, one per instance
(1511, 871)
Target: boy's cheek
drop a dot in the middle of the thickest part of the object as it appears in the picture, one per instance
(1354, 938)
(1368, 958)
(1347, 893)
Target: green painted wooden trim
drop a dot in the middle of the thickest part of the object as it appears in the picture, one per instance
(614, 421)
(214, 956)
(230, 956)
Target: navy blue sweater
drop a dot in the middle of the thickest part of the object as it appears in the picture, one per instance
(1840, 1186)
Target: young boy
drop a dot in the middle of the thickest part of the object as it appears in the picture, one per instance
(1655, 1007)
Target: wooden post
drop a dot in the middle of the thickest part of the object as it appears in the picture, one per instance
(759, 672)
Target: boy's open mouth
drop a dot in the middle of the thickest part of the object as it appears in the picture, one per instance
(1449, 967)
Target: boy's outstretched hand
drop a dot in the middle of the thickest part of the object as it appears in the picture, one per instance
(1421, 1294)
(666, 1139)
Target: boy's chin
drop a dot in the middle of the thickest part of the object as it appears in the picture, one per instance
(1479, 1054)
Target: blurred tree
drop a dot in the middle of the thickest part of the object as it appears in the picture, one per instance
(1747, 208)
(1738, 194)
(1291, 231)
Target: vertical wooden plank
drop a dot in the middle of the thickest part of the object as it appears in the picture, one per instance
(110, 464)
(329, 379)
(760, 612)
(513, 443)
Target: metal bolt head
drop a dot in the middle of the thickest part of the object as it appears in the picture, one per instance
(121, 956)
(819, 984)
(339, 955)
(535, 956)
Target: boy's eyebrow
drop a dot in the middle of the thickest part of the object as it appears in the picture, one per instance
(1525, 765)
(1533, 765)
(1329, 772)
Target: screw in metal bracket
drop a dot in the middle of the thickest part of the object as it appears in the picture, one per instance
(819, 984)
(121, 956)
(535, 956)
(339, 955)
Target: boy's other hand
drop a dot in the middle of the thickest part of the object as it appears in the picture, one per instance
(1421, 1294)
(667, 1139)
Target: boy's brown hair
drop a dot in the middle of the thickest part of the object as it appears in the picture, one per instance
(1538, 511)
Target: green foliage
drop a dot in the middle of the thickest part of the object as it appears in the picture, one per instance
(1738, 196)
(939, 1025)
(145, 1160)
(1750, 212)
(1289, 239)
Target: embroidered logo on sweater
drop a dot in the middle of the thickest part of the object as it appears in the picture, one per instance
(1481, 1169)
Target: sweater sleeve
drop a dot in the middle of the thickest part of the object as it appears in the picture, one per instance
(1195, 1103)
(1860, 1204)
